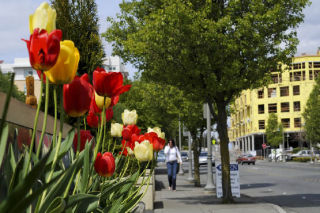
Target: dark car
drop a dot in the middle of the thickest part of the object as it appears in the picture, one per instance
(249, 159)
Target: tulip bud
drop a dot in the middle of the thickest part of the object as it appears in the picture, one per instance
(105, 164)
(43, 18)
(116, 129)
(143, 151)
(158, 131)
(129, 117)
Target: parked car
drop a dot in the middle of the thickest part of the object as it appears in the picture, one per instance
(161, 156)
(184, 156)
(301, 153)
(203, 158)
(249, 159)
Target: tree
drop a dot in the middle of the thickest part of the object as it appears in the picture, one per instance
(274, 131)
(5, 81)
(78, 20)
(213, 49)
(162, 105)
(311, 114)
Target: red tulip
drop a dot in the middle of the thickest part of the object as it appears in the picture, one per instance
(77, 96)
(44, 48)
(23, 138)
(129, 130)
(44, 76)
(157, 143)
(85, 136)
(108, 84)
(105, 164)
(93, 120)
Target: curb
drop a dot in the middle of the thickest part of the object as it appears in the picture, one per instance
(276, 207)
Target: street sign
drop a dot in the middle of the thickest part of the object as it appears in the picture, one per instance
(205, 108)
(264, 146)
(234, 178)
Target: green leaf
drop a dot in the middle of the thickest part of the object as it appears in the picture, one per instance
(64, 148)
(3, 142)
(15, 179)
(59, 188)
(85, 173)
(129, 204)
(24, 186)
(115, 206)
(57, 205)
(83, 199)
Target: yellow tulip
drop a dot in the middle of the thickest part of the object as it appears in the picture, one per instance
(129, 117)
(65, 69)
(116, 130)
(158, 131)
(44, 18)
(99, 100)
(143, 151)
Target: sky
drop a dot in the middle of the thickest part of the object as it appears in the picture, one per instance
(14, 25)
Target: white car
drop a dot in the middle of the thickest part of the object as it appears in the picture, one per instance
(203, 158)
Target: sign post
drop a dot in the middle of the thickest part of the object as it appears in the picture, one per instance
(234, 178)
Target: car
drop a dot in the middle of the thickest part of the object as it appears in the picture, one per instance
(184, 156)
(203, 158)
(301, 153)
(161, 157)
(249, 159)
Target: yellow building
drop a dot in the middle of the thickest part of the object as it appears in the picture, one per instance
(287, 96)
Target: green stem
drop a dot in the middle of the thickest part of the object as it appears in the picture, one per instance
(96, 149)
(77, 181)
(58, 145)
(125, 168)
(35, 123)
(84, 123)
(55, 116)
(44, 125)
(79, 136)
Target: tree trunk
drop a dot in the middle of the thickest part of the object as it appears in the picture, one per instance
(224, 151)
(196, 152)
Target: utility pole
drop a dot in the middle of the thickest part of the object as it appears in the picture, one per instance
(190, 178)
(283, 149)
(210, 185)
(180, 167)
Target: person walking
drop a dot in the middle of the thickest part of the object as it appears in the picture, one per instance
(173, 158)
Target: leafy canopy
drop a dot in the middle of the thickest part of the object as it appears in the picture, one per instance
(311, 114)
(274, 130)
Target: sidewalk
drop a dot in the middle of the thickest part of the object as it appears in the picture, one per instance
(191, 199)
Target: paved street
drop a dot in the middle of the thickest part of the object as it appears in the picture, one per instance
(293, 186)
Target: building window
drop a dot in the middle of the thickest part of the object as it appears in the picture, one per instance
(261, 109)
(285, 107)
(310, 75)
(272, 92)
(261, 124)
(296, 90)
(297, 122)
(260, 93)
(280, 78)
(316, 64)
(28, 72)
(297, 76)
(310, 64)
(272, 108)
(296, 106)
(297, 66)
(274, 78)
(284, 91)
(303, 75)
(114, 68)
(303, 65)
(316, 73)
(291, 76)
(285, 122)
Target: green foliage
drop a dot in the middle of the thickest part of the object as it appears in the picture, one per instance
(5, 85)
(311, 114)
(304, 159)
(78, 20)
(211, 49)
(274, 130)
